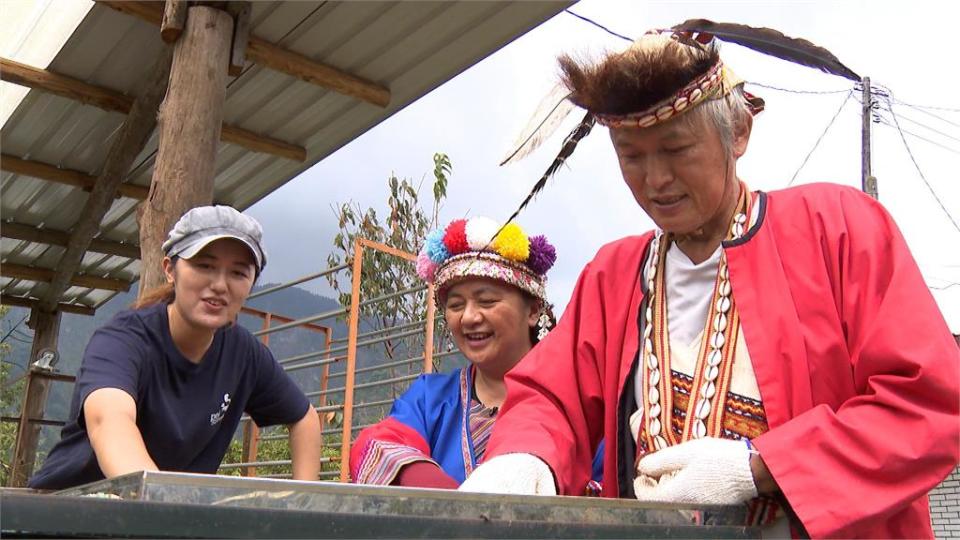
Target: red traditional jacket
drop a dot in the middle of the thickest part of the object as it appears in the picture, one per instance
(856, 369)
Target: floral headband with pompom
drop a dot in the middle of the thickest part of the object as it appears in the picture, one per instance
(467, 248)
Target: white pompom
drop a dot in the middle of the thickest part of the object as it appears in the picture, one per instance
(480, 231)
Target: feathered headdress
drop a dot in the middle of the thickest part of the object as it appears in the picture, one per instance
(660, 76)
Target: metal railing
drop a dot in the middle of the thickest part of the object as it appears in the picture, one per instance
(342, 350)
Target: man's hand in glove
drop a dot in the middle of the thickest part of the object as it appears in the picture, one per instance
(701, 471)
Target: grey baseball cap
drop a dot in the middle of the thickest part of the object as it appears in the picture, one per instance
(202, 225)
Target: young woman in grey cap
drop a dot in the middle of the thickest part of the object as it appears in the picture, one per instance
(163, 386)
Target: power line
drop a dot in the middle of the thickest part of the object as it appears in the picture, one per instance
(917, 165)
(791, 91)
(598, 25)
(947, 286)
(928, 113)
(928, 107)
(816, 144)
(921, 124)
(885, 122)
(879, 118)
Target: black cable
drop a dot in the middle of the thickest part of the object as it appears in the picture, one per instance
(816, 144)
(925, 109)
(928, 107)
(882, 120)
(598, 25)
(951, 284)
(928, 113)
(885, 122)
(917, 165)
(788, 90)
(921, 124)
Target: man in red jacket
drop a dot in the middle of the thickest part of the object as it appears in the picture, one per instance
(775, 349)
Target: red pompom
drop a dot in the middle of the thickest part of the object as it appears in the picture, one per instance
(455, 237)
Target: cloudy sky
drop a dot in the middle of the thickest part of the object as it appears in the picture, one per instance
(476, 116)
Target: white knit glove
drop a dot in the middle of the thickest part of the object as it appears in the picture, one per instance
(513, 474)
(701, 471)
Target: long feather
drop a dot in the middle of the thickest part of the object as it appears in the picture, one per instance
(550, 113)
(773, 43)
(569, 145)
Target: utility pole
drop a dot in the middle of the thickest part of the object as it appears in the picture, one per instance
(868, 183)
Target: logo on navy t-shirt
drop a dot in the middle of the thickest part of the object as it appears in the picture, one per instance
(216, 417)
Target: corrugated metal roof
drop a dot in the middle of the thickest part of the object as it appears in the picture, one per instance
(409, 47)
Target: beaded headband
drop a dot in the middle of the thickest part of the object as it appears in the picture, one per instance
(718, 81)
(467, 248)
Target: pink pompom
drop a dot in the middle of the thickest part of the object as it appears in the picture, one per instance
(426, 268)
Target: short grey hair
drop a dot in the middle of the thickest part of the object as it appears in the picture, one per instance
(724, 112)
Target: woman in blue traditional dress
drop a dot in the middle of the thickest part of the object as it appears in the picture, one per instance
(493, 298)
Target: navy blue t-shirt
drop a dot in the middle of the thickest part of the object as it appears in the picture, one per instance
(187, 413)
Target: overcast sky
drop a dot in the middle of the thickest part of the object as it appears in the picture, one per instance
(474, 118)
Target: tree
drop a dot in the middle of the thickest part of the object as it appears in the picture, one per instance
(276, 450)
(383, 274)
(11, 392)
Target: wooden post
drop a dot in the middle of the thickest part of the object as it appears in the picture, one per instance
(251, 439)
(352, 331)
(867, 182)
(190, 120)
(46, 328)
(174, 19)
(274, 57)
(428, 332)
(241, 36)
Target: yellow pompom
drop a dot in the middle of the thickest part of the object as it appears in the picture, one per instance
(512, 243)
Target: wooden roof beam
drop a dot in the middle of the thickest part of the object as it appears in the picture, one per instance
(30, 303)
(111, 100)
(70, 177)
(277, 58)
(126, 145)
(19, 231)
(46, 275)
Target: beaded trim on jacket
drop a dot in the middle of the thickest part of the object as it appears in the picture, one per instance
(717, 352)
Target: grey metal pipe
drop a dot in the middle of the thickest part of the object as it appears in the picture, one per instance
(342, 373)
(298, 281)
(277, 463)
(382, 330)
(331, 431)
(337, 407)
(300, 322)
(365, 385)
(404, 362)
(327, 315)
(329, 408)
(340, 429)
(394, 364)
(304, 356)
